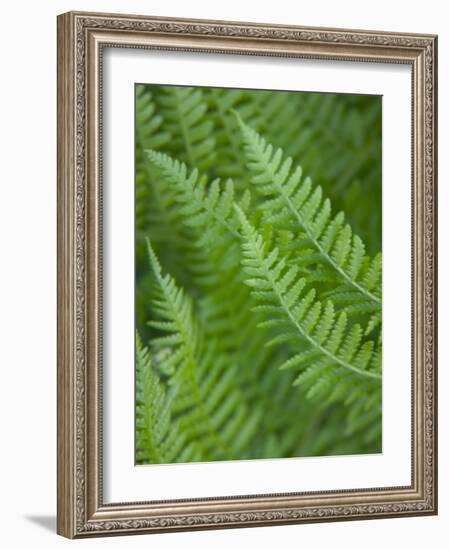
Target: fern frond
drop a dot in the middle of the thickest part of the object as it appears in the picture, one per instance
(340, 356)
(158, 437)
(229, 161)
(228, 142)
(327, 248)
(210, 408)
(184, 110)
(150, 130)
(225, 308)
(155, 215)
(332, 122)
(203, 204)
(336, 139)
(149, 134)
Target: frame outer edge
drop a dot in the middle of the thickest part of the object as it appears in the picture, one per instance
(434, 99)
(66, 287)
(76, 425)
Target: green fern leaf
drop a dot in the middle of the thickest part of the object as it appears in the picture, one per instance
(158, 437)
(184, 109)
(336, 139)
(339, 352)
(292, 332)
(203, 204)
(293, 203)
(226, 308)
(210, 408)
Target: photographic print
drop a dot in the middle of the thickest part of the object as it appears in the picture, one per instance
(258, 274)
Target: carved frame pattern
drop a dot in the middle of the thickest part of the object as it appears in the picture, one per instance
(81, 37)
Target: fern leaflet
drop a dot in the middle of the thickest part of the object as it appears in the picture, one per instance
(210, 408)
(341, 361)
(158, 437)
(324, 244)
(183, 109)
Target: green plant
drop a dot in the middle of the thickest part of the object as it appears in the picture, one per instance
(258, 309)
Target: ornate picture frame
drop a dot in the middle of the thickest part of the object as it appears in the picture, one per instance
(82, 39)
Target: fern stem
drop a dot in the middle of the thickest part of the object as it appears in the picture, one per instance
(190, 351)
(264, 160)
(313, 342)
(250, 234)
(329, 258)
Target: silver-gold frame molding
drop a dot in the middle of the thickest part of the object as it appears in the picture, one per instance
(81, 39)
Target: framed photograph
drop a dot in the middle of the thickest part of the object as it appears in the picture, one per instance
(246, 274)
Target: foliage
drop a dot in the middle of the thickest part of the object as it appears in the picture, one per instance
(258, 305)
